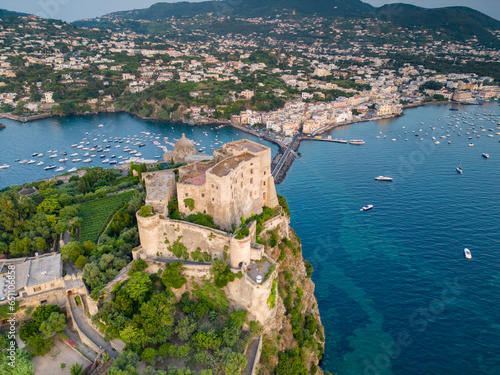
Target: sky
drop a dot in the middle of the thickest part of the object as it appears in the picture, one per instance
(71, 10)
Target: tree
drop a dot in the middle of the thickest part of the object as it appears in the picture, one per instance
(185, 328)
(172, 277)
(149, 354)
(55, 323)
(76, 369)
(125, 364)
(233, 363)
(72, 251)
(138, 286)
(23, 366)
(43, 312)
(39, 345)
(28, 330)
(221, 272)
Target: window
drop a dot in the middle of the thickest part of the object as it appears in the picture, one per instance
(37, 289)
(213, 199)
(250, 193)
(203, 195)
(264, 183)
(251, 170)
(44, 302)
(241, 184)
(52, 285)
(251, 180)
(212, 186)
(264, 173)
(186, 194)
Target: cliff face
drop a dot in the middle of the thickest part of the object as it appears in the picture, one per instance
(299, 334)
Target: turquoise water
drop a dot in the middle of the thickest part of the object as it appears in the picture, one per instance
(396, 294)
(20, 141)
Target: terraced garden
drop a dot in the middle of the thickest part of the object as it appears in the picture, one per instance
(97, 213)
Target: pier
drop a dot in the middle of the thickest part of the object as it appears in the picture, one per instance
(284, 159)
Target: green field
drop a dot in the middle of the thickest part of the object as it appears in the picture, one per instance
(97, 213)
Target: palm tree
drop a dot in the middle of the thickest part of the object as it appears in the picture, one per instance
(76, 369)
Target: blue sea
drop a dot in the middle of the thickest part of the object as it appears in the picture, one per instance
(396, 294)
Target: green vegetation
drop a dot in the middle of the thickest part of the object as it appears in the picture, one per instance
(172, 276)
(195, 330)
(271, 301)
(189, 203)
(37, 334)
(221, 272)
(97, 213)
(198, 218)
(23, 364)
(146, 211)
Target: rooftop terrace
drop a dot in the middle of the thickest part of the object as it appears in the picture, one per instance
(227, 165)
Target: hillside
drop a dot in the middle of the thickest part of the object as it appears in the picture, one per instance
(4, 13)
(452, 23)
(458, 23)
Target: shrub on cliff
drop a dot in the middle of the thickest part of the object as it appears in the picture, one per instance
(221, 272)
(172, 277)
(146, 211)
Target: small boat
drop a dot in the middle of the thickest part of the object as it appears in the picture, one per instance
(357, 142)
(16, 160)
(74, 145)
(75, 154)
(105, 161)
(40, 163)
(23, 161)
(467, 253)
(60, 169)
(471, 144)
(34, 154)
(52, 166)
(459, 170)
(31, 162)
(383, 178)
(72, 170)
(367, 207)
(40, 155)
(4, 166)
(87, 160)
(76, 160)
(53, 156)
(101, 126)
(486, 156)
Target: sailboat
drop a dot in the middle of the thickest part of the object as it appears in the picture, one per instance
(459, 170)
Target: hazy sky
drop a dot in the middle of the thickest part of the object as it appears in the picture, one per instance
(71, 10)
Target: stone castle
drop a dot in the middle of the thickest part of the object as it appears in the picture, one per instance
(237, 183)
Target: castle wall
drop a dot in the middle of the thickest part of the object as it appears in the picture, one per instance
(158, 233)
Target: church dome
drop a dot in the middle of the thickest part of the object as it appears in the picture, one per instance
(184, 147)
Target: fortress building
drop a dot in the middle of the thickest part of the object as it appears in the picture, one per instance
(236, 184)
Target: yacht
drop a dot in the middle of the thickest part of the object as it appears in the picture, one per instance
(52, 166)
(367, 207)
(486, 156)
(40, 163)
(53, 156)
(60, 169)
(72, 170)
(383, 178)
(87, 160)
(31, 162)
(23, 161)
(356, 142)
(40, 155)
(76, 160)
(34, 154)
(4, 166)
(75, 154)
(467, 253)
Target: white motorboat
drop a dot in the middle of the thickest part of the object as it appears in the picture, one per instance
(383, 178)
(40, 163)
(5, 166)
(486, 156)
(31, 162)
(48, 167)
(87, 160)
(467, 253)
(60, 169)
(76, 160)
(75, 154)
(63, 160)
(23, 161)
(72, 170)
(367, 207)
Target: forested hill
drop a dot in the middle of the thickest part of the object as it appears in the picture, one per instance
(452, 23)
(4, 13)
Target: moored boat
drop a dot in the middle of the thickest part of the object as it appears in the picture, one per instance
(383, 178)
(357, 142)
(367, 207)
(485, 155)
(467, 253)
